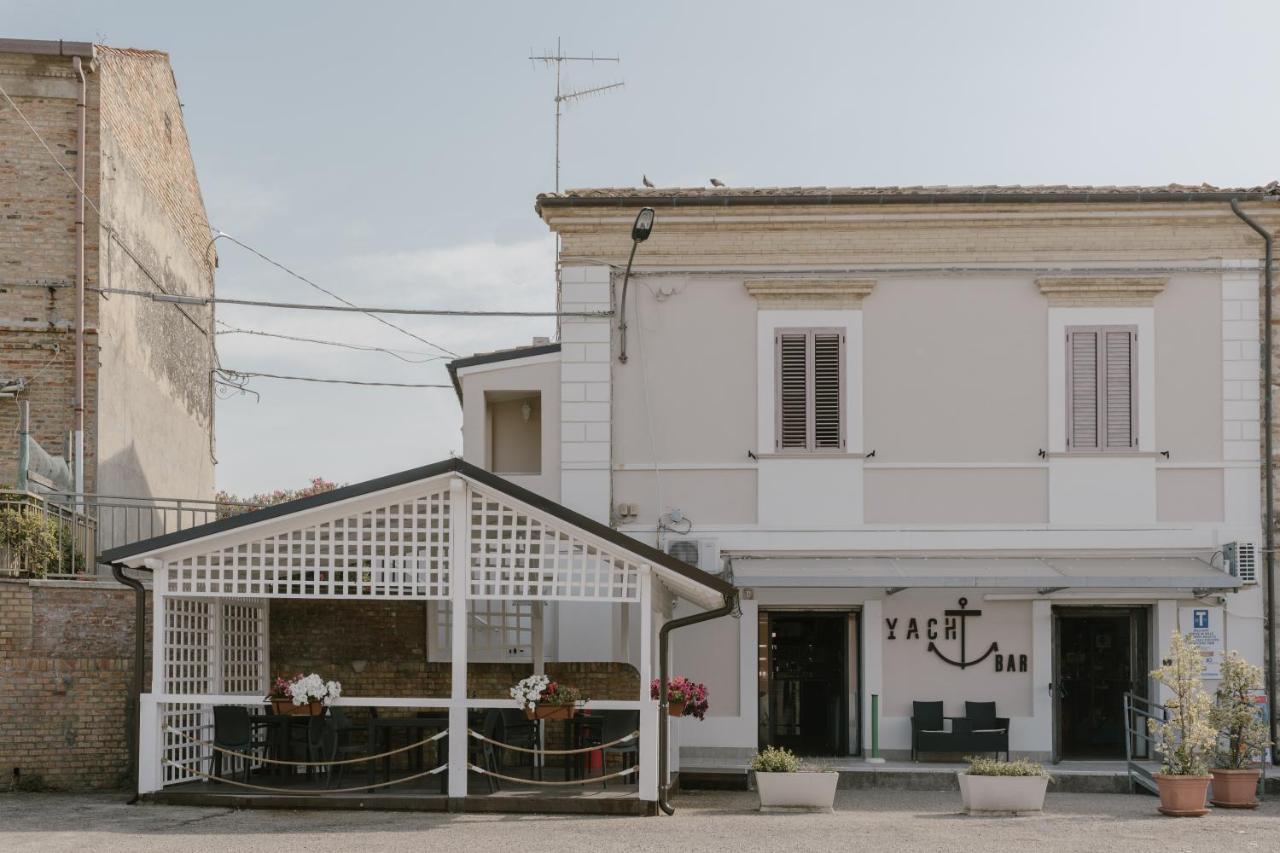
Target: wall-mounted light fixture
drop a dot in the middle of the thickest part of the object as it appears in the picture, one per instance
(640, 231)
(526, 411)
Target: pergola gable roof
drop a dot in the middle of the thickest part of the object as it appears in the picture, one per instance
(132, 553)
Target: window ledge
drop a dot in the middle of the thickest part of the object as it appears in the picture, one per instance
(1104, 454)
(815, 454)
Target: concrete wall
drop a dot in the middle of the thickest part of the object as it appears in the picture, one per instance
(503, 378)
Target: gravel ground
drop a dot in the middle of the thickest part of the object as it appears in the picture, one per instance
(878, 820)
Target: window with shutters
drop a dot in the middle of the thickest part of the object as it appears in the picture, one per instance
(809, 403)
(1102, 400)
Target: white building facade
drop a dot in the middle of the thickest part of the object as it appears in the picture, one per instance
(950, 445)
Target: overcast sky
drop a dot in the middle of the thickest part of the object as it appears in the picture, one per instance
(392, 151)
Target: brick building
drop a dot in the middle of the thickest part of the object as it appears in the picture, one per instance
(147, 399)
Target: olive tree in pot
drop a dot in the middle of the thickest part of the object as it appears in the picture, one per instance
(1184, 739)
(990, 786)
(1242, 734)
(783, 783)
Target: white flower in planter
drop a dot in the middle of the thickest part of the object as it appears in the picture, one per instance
(529, 690)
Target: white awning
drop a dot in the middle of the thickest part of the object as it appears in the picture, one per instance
(1139, 573)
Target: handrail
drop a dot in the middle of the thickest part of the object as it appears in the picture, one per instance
(1134, 733)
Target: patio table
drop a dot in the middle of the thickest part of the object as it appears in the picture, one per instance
(418, 728)
(279, 736)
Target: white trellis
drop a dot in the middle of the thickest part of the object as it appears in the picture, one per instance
(489, 558)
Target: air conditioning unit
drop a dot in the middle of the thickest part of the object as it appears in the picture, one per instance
(1240, 560)
(699, 552)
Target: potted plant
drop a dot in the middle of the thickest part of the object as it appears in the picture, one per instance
(1242, 734)
(990, 786)
(544, 699)
(683, 697)
(303, 695)
(783, 783)
(1184, 739)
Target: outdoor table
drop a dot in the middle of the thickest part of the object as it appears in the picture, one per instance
(577, 731)
(419, 728)
(279, 736)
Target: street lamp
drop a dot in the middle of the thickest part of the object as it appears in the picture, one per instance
(640, 231)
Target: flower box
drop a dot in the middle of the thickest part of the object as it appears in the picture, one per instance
(986, 795)
(286, 707)
(551, 712)
(804, 790)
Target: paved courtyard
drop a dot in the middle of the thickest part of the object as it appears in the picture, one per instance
(876, 820)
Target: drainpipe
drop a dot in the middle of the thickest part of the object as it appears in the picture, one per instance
(664, 719)
(139, 658)
(1268, 591)
(78, 426)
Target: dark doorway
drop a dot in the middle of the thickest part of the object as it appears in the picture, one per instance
(806, 682)
(1099, 655)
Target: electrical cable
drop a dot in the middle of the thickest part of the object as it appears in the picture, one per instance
(394, 353)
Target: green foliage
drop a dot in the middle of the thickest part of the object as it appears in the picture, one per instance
(30, 538)
(229, 504)
(1186, 740)
(775, 759)
(981, 766)
(1242, 733)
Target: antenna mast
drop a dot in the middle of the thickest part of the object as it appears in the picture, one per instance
(559, 59)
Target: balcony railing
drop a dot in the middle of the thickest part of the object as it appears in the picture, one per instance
(83, 526)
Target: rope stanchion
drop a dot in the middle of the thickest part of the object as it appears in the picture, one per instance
(264, 760)
(592, 748)
(209, 777)
(519, 781)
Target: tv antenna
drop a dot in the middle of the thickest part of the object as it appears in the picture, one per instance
(559, 59)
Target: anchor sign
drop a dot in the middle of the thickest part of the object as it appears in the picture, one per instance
(961, 615)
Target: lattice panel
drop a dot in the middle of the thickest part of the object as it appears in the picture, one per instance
(194, 721)
(244, 647)
(396, 551)
(515, 554)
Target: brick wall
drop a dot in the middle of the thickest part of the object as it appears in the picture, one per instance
(66, 669)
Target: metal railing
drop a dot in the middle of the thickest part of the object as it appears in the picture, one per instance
(86, 525)
(1139, 743)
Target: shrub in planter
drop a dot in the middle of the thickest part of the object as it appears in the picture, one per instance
(1003, 787)
(783, 783)
(1242, 734)
(28, 541)
(1185, 739)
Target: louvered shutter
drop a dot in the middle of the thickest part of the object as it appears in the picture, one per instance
(793, 398)
(810, 389)
(1118, 398)
(1082, 389)
(1101, 398)
(828, 352)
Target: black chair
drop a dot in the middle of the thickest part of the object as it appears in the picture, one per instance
(233, 730)
(619, 724)
(329, 739)
(979, 730)
(517, 730)
(483, 753)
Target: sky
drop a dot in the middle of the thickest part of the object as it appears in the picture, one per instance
(391, 152)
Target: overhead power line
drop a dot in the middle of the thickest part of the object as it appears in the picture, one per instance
(237, 376)
(394, 353)
(302, 278)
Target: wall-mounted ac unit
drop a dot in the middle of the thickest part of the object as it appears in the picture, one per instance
(698, 551)
(1240, 560)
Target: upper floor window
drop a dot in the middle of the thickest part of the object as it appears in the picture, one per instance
(809, 400)
(1102, 370)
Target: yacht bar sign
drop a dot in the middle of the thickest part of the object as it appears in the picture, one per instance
(1204, 624)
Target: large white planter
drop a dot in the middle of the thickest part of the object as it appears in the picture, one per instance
(1002, 794)
(815, 790)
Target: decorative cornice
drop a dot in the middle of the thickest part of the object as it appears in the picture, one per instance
(809, 292)
(1120, 291)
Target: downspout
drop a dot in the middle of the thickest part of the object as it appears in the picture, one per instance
(139, 658)
(78, 425)
(664, 719)
(1268, 591)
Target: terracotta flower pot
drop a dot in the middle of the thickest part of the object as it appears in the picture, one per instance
(286, 707)
(1183, 796)
(551, 712)
(676, 709)
(1235, 789)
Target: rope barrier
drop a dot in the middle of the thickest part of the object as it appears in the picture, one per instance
(264, 760)
(433, 771)
(521, 781)
(512, 746)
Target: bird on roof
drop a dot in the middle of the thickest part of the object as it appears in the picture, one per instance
(716, 182)
(644, 179)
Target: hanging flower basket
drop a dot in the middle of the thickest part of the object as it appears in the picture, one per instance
(683, 696)
(543, 699)
(302, 695)
(676, 709)
(287, 708)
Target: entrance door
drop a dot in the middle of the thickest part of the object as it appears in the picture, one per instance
(1100, 654)
(807, 691)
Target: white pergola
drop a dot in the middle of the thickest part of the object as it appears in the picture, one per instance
(448, 532)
